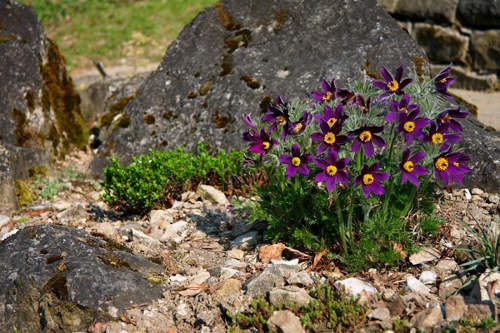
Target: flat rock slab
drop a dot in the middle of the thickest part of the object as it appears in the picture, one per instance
(54, 276)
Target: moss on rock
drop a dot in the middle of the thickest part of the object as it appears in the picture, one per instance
(23, 193)
(59, 95)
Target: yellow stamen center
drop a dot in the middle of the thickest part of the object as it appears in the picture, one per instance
(405, 110)
(368, 179)
(393, 86)
(296, 161)
(443, 80)
(408, 166)
(331, 170)
(331, 122)
(441, 164)
(456, 164)
(297, 128)
(446, 118)
(329, 138)
(266, 145)
(365, 136)
(409, 126)
(327, 96)
(437, 138)
(280, 120)
(363, 109)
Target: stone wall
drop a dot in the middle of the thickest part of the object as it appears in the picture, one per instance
(463, 32)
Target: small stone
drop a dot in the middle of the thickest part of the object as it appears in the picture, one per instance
(431, 318)
(446, 267)
(201, 277)
(494, 199)
(414, 285)
(355, 287)
(428, 277)
(182, 311)
(302, 279)
(236, 254)
(449, 286)
(228, 287)
(285, 322)
(160, 217)
(210, 193)
(477, 191)
(425, 255)
(289, 295)
(380, 313)
(226, 273)
(260, 284)
(246, 241)
(455, 308)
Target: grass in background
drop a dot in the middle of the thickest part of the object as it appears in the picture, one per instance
(115, 32)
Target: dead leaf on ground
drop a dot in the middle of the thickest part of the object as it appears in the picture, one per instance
(269, 252)
(127, 320)
(194, 289)
(316, 260)
(398, 247)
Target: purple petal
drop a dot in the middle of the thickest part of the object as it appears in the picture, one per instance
(380, 84)
(368, 149)
(386, 75)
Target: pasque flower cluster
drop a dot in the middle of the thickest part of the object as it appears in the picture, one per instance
(390, 130)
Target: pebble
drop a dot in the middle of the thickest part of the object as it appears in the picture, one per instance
(414, 285)
(354, 287)
(428, 277)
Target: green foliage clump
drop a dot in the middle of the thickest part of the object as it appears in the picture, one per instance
(46, 187)
(160, 175)
(328, 311)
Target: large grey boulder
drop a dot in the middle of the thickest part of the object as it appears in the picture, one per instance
(59, 279)
(236, 57)
(39, 109)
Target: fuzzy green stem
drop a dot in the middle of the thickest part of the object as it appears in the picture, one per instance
(388, 192)
(342, 227)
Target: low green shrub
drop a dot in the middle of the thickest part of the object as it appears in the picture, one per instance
(158, 176)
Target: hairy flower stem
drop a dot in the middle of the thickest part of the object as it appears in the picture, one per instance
(345, 231)
(391, 183)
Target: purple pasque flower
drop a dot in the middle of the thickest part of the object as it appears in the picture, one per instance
(448, 117)
(411, 126)
(409, 167)
(365, 136)
(329, 136)
(370, 179)
(443, 80)
(278, 115)
(261, 143)
(364, 106)
(297, 162)
(391, 85)
(450, 166)
(332, 170)
(438, 135)
(300, 125)
(402, 106)
(330, 116)
(347, 96)
(328, 93)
